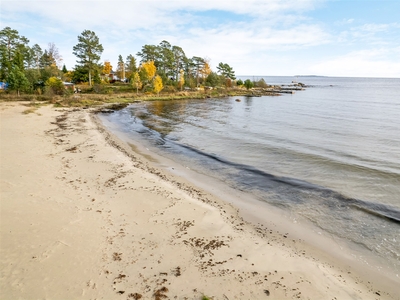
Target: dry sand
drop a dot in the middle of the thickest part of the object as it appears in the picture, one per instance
(85, 217)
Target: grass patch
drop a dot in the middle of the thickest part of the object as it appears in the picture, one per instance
(5, 97)
(121, 94)
(33, 106)
(29, 110)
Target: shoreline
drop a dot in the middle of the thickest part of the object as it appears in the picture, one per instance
(83, 216)
(255, 212)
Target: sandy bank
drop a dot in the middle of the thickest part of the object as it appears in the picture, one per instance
(84, 217)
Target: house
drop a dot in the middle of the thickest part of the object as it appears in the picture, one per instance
(69, 86)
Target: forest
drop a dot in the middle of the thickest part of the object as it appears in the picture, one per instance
(29, 69)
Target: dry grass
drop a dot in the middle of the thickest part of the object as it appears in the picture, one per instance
(33, 106)
(29, 110)
(87, 99)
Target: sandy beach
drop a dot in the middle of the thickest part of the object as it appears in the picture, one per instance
(84, 216)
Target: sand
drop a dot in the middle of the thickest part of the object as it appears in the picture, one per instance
(83, 216)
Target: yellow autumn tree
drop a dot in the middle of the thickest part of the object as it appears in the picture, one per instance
(55, 85)
(157, 84)
(107, 68)
(206, 69)
(181, 79)
(136, 82)
(147, 71)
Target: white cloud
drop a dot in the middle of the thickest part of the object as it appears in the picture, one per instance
(375, 28)
(379, 62)
(250, 35)
(144, 14)
(372, 31)
(120, 23)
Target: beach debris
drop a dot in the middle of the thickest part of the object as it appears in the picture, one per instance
(72, 149)
(117, 256)
(266, 292)
(177, 271)
(160, 293)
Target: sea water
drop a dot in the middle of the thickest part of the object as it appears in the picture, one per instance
(330, 153)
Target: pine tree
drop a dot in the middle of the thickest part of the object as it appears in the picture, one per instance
(130, 66)
(226, 70)
(11, 45)
(88, 51)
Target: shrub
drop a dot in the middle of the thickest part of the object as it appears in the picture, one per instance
(261, 83)
(55, 85)
(169, 89)
(98, 88)
(248, 84)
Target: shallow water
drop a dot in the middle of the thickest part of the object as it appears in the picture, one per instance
(330, 153)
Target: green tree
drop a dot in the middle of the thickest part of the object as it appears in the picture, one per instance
(88, 51)
(130, 66)
(226, 70)
(213, 79)
(11, 39)
(179, 60)
(17, 80)
(5, 64)
(18, 59)
(49, 71)
(46, 60)
(248, 84)
(199, 65)
(80, 74)
(13, 48)
(166, 67)
(96, 75)
(37, 54)
(149, 53)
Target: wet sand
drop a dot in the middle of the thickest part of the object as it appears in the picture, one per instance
(83, 216)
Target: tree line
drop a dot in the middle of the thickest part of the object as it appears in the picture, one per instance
(31, 69)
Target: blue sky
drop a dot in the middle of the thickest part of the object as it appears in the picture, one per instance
(256, 37)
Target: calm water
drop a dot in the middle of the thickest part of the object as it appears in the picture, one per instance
(330, 153)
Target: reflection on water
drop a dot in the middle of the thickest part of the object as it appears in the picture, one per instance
(330, 153)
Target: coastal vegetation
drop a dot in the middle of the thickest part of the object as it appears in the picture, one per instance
(163, 72)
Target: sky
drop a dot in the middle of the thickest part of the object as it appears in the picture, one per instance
(348, 38)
